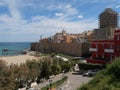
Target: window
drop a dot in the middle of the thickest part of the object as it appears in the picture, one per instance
(117, 37)
(111, 46)
(117, 47)
(103, 56)
(96, 55)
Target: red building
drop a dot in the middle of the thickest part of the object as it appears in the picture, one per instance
(104, 51)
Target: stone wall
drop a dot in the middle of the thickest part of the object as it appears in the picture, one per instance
(33, 46)
(74, 49)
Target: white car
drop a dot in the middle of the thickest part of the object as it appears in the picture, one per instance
(52, 76)
(88, 73)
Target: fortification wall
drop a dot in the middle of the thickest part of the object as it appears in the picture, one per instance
(33, 46)
(74, 49)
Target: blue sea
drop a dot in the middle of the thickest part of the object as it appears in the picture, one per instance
(14, 47)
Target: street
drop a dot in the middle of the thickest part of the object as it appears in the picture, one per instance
(75, 80)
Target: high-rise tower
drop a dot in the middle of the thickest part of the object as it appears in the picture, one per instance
(108, 21)
(108, 18)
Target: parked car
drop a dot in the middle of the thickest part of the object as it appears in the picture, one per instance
(95, 71)
(91, 73)
(52, 76)
(88, 73)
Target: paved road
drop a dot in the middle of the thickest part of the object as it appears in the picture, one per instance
(75, 80)
(56, 78)
(39, 86)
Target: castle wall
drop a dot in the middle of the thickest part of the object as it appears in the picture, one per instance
(33, 46)
(74, 49)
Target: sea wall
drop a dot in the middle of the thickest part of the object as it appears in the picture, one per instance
(74, 49)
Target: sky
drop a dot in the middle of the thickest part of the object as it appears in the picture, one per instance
(27, 20)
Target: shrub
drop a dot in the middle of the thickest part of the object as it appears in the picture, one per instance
(85, 87)
(87, 66)
(107, 79)
(114, 68)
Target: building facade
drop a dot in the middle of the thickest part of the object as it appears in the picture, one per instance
(107, 24)
(105, 51)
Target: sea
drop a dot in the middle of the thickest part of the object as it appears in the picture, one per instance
(15, 48)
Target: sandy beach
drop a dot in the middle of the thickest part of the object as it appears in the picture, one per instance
(17, 59)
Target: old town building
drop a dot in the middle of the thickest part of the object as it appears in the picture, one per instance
(63, 36)
(62, 42)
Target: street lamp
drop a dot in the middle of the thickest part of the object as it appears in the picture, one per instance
(50, 84)
(63, 74)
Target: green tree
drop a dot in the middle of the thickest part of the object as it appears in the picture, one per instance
(33, 69)
(45, 69)
(56, 69)
(66, 66)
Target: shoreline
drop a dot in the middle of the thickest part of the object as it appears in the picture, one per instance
(17, 59)
(13, 53)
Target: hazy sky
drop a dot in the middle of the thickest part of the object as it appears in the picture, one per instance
(26, 20)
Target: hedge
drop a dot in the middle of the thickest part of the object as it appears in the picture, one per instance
(88, 66)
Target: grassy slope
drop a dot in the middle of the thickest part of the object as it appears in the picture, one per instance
(107, 79)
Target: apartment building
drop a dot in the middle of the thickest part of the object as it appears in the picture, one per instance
(105, 51)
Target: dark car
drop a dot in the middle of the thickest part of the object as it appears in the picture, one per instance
(95, 71)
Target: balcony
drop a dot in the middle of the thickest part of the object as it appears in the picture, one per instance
(109, 50)
(93, 49)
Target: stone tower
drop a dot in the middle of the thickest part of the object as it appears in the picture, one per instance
(108, 18)
(108, 21)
